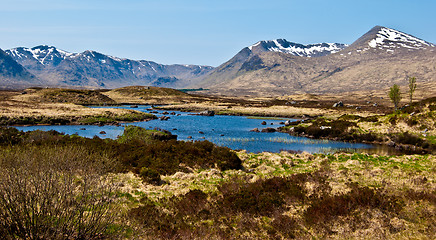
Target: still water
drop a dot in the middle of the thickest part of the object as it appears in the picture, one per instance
(230, 131)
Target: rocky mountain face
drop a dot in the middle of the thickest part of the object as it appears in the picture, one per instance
(377, 60)
(55, 67)
(13, 74)
(296, 49)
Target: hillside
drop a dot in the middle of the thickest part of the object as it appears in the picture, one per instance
(375, 61)
(56, 67)
(13, 74)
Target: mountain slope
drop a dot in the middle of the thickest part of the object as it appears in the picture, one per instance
(13, 74)
(93, 69)
(311, 50)
(377, 60)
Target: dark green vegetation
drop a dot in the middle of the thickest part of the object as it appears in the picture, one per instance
(419, 119)
(395, 95)
(55, 185)
(299, 205)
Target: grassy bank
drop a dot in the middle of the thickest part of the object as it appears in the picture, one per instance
(411, 129)
(61, 106)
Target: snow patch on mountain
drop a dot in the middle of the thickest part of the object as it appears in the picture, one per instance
(391, 39)
(43, 54)
(311, 50)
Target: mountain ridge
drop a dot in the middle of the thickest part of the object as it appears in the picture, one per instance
(12, 74)
(93, 69)
(379, 58)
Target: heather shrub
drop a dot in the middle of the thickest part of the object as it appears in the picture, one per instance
(325, 208)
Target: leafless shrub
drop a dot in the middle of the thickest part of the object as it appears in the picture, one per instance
(54, 193)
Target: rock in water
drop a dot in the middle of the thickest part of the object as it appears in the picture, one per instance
(269, 130)
(207, 113)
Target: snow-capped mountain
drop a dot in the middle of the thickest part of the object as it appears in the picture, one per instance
(388, 40)
(377, 60)
(12, 74)
(91, 68)
(296, 49)
(45, 55)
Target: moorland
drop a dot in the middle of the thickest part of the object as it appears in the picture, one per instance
(148, 185)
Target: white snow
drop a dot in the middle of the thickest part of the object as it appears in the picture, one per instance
(388, 38)
(254, 45)
(299, 49)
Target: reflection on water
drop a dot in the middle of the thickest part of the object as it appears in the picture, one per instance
(230, 131)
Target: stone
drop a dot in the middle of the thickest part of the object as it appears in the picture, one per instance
(207, 113)
(263, 123)
(255, 130)
(102, 132)
(338, 104)
(269, 130)
(134, 106)
(164, 118)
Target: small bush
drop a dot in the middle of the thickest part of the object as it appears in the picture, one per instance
(348, 117)
(326, 208)
(408, 138)
(412, 121)
(262, 197)
(369, 119)
(149, 175)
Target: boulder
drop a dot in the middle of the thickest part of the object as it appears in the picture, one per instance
(338, 104)
(102, 132)
(269, 130)
(207, 113)
(255, 130)
(134, 106)
(263, 123)
(164, 118)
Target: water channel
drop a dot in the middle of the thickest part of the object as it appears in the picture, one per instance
(230, 131)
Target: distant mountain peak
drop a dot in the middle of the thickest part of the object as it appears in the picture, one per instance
(44, 54)
(391, 38)
(296, 49)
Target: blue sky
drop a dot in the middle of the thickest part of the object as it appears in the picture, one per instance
(201, 31)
